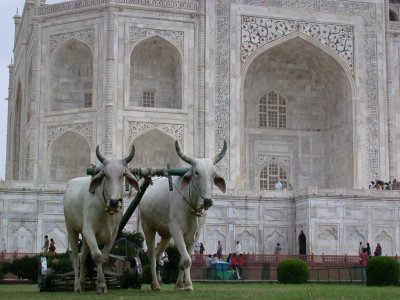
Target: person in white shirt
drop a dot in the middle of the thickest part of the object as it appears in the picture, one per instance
(278, 185)
(238, 248)
(197, 248)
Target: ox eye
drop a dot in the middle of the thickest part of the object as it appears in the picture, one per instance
(196, 173)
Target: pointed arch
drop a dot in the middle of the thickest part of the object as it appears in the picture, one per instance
(23, 240)
(71, 76)
(319, 92)
(156, 74)
(154, 148)
(248, 242)
(69, 157)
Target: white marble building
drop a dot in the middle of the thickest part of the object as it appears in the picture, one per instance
(302, 90)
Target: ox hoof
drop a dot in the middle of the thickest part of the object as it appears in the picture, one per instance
(101, 290)
(155, 287)
(188, 288)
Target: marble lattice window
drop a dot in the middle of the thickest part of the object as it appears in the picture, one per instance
(270, 174)
(272, 111)
(148, 99)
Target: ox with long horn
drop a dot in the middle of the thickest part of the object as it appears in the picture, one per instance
(180, 213)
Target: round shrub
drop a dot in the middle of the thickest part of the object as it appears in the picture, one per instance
(292, 271)
(383, 270)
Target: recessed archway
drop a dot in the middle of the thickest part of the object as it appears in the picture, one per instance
(319, 114)
(156, 74)
(71, 77)
(69, 157)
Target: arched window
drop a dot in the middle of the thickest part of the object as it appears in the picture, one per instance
(71, 77)
(272, 110)
(270, 174)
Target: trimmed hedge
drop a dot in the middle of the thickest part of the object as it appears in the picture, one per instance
(292, 271)
(383, 270)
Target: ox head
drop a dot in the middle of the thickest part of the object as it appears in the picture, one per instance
(200, 179)
(110, 180)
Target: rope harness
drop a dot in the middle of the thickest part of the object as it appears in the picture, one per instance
(198, 212)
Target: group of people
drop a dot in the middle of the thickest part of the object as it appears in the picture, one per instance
(381, 185)
(364, 252)
(49, 246)
(234, 260)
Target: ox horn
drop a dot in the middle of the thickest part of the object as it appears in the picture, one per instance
(100, 157)
(221, 154)
(185, 158)
(131, 155)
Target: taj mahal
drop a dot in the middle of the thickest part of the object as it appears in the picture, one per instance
(303, 91)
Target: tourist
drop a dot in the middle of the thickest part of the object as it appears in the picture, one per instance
(197, 248)
(278, 185)
(364, 257)
(238, 248)
(378, 250)
(278, 249)
(52, 247)
(219, 249)
(45, 247)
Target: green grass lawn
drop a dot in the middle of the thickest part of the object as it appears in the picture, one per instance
(218, 291)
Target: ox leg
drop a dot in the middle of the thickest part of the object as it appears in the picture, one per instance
(97, 257)
(159, 251)
(73, 242)
(84, 253)
(150, 236)
(184, 281)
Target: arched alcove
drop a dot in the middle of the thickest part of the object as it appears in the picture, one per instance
(71, 77)
(156, 74)
(22, 240)
(154, 149)
(318, 108)
(248, 242)
(69, 157)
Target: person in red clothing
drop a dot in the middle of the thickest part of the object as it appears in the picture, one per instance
(363, 263)
(240, 263)
(235, 266)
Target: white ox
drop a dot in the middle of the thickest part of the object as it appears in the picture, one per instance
(179, 213)
(94, 207)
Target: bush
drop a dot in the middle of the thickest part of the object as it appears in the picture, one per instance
(383, 270)
(26, 267)
(292, 271)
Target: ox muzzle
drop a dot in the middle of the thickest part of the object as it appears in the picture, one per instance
(114, 206)
(207, 203)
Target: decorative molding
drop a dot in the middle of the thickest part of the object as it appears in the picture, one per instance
(175, 37)
(394, 26)
(190, 5)
(87, 36)
(222, 84)
(137, 128)
(282, 161)
(257, 32)
(85, 129)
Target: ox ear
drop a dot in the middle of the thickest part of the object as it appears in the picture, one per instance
(132, 180)
(96, 181)
(220, 183)
(186, 179)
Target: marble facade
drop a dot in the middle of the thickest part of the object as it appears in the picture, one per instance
(117, 72)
